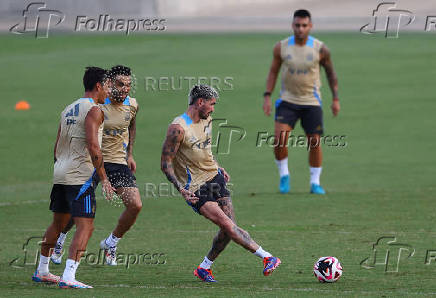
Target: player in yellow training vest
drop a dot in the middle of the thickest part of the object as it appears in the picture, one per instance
(300, 57)
(117, 147)
(76, 154)
(188, 163)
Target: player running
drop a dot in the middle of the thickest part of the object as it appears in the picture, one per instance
(76, 154)
(117, 147)
(188, 163)
(300, 56)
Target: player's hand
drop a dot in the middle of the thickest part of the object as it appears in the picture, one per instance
(225, 174)
(189, 196)
(108, 190)
(267, 105)
(336, 107)
(131, 164)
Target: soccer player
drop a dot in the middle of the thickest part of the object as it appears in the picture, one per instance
(188, 163)
(299, 57)
(117, 147)
(77, 156)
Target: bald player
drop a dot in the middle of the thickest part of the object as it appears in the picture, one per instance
(117, 147)
(188, 163)
(300, 57)
(77, 157)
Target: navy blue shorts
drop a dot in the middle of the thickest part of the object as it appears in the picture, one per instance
(212, 190)
(78, 200)
(311, 116)
(119, 175)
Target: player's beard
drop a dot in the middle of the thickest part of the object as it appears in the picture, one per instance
(203, 115)
(117, 95)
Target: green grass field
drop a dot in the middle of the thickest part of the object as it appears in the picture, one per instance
(380, 184)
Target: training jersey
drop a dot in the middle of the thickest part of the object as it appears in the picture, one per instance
(73, 164)
(117, 119)
(300, 72)
(194, 164)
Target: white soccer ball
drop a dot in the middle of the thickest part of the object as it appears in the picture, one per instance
(327, 269)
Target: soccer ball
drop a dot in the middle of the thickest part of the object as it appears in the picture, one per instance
(327, 269)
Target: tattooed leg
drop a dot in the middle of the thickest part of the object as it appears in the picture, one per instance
(214, 213)
(221, 239)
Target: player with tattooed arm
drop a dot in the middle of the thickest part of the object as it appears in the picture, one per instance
(188, 163)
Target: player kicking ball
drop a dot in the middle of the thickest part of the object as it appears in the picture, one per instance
(76, 154)
(188, 163)
(117, 148)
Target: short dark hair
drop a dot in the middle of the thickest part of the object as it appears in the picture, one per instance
(202, 91)
(302, 13)
(120, 70)
(92, 76)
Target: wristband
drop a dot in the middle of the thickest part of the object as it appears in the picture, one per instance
(266, 93)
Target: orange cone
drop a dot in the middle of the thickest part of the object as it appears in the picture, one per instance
(22, 105)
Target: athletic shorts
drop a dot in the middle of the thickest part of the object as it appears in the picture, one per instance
(212, 190)
(311, 116)
(119, 175)
(78, 200)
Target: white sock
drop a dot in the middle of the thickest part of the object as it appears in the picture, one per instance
(283, 167)
(261, 253)
(62, 238)
(111, 240)
(70, 270)
(314, 175)
(43, 265)
(60, 243)
(206, 263)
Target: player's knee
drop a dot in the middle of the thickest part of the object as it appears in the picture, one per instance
(135, 206)
(314, 141)
(279, 142)
(231, 230)
(91, 229)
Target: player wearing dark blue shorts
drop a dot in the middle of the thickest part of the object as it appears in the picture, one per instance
(119, 133)
(77, 156)
(299, 57)
(188, 163)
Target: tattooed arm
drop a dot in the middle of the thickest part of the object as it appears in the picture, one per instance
(170, 147)
(93, 120)
(332, 78)
(132, 134)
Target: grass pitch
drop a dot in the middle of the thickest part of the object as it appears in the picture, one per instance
(381, 184)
